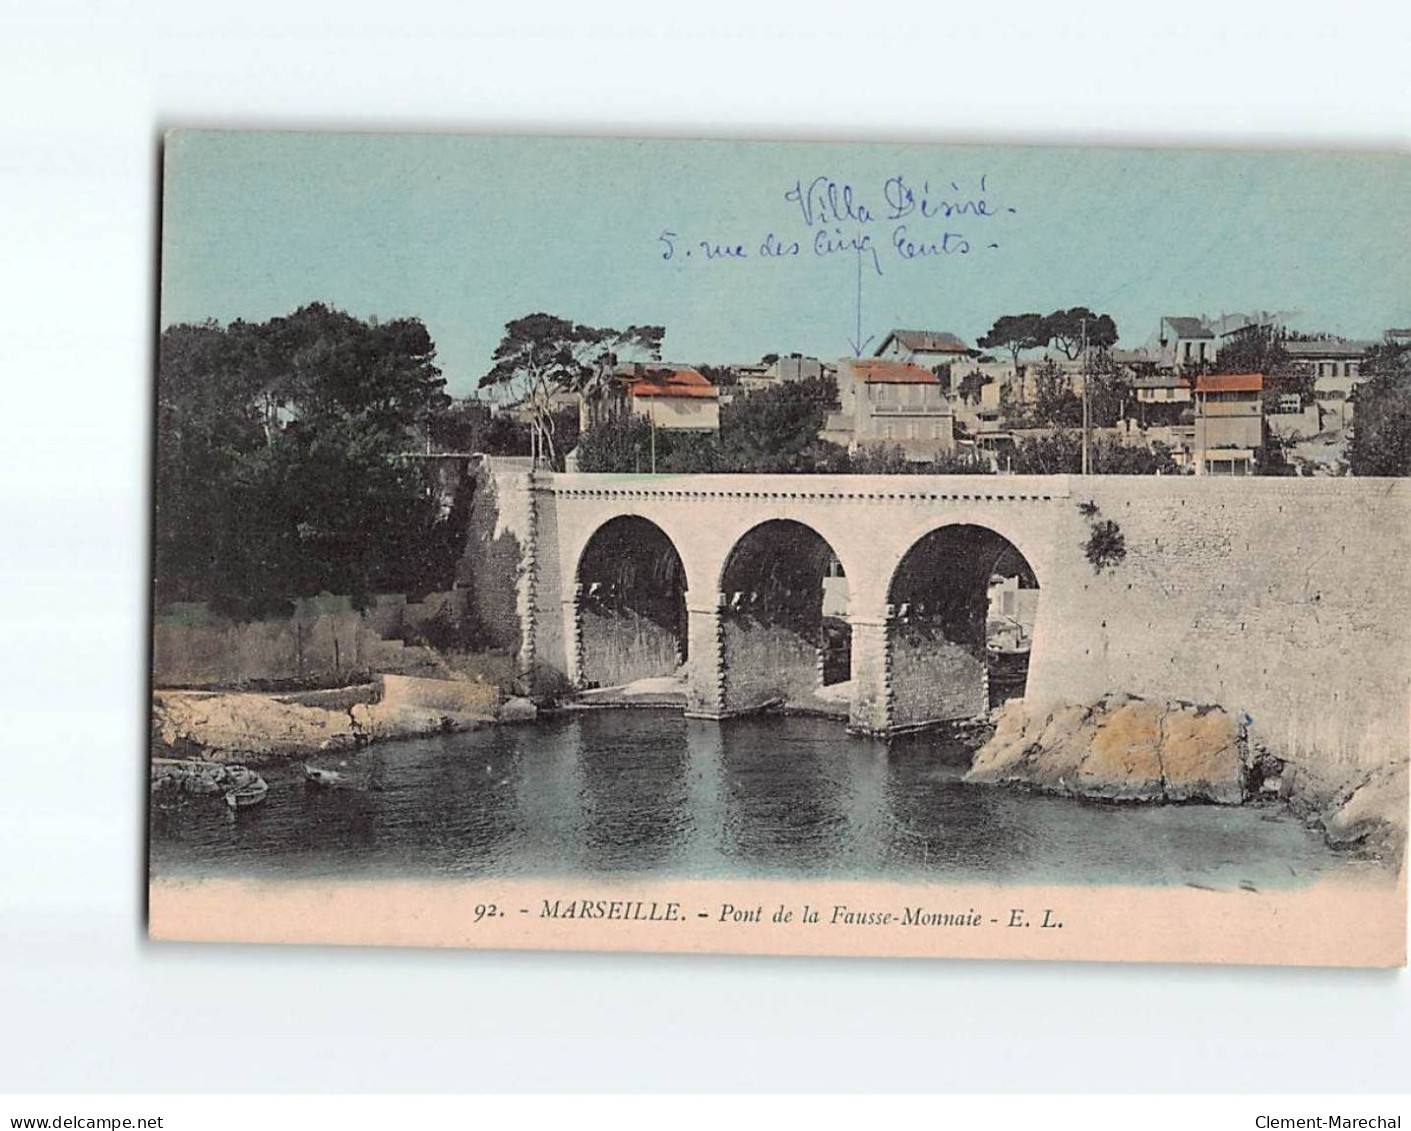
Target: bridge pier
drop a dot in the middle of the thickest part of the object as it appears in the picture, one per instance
(573, 636)
(705, 683)
(871, 709)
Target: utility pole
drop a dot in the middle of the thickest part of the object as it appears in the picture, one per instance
(1087, 437)
(653, 414)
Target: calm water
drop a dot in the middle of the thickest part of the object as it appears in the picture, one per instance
(649, 793)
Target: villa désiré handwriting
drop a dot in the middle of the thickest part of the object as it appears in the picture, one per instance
(823, 201)
(903, 220)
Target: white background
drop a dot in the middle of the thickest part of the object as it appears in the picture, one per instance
(85, 89)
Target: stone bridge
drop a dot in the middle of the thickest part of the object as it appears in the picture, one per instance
(870, 595)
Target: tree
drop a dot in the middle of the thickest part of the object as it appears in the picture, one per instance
(955, 463)
(1054, 399)
(879, 459)
(690, 453)
(459, 426)
(621, 443)
(721, 376)
(971, 386)
(319, 364)
(541, 354)
(1062, 454)
(1274, 459)
(1067, 329)
(1016, 333)
(1259, 348)
(1108, 392)
(776, 430)
(1058, 454)
(1112, 457)
(208, 420)
(505, 435)
(281, 466)
(1381, 430)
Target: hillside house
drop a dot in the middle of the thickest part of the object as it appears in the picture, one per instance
(1229, 423)
(928, 349)
(673, 397)
(885, 403)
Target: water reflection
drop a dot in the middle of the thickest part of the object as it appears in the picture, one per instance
(782, 798)
(549, 818)
(634, 798)
(651, 793)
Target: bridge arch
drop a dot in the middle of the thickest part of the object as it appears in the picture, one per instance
(784, 631)
(630, 609)
(962, 608)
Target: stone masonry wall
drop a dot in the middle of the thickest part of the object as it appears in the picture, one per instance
(1285, 599)
(934, 679)
(497, 558)
(764, 662)
(621, 647)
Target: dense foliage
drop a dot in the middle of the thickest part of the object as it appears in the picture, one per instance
(279, 461)
(1061, 453)
(893, 461)
(1260, 349)
(971, 386)
(1381, 431)
(623, 443)
(1055, 404)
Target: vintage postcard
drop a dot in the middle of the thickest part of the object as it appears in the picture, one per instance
(786, 548)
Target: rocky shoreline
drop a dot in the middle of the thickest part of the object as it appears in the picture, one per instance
(237, 726)
(1119, 749)
(1125, 749)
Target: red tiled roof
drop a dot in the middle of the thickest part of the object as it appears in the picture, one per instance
(671, 381)
(1230, 383)
(873, 371)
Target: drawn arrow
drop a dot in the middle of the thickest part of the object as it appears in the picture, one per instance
(859, 343)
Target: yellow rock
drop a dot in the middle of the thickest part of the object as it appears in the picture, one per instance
(1120, 748)
(1123, 757)
(1201, 756)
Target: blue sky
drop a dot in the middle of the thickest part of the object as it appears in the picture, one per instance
(469, 232)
